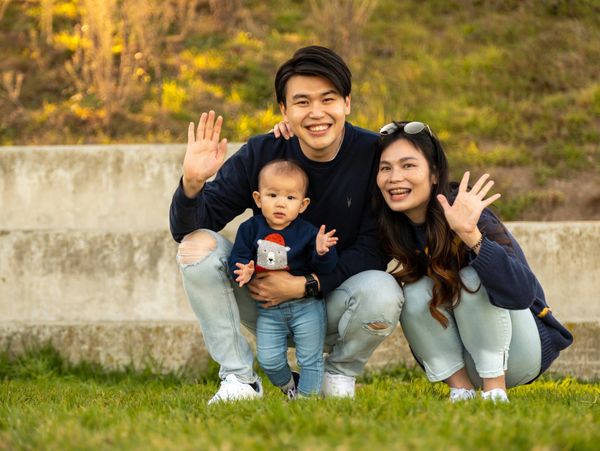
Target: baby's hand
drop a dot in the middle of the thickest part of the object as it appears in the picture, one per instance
(325, 241)
(244, 272)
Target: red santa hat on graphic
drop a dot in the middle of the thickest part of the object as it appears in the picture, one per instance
(271, 254)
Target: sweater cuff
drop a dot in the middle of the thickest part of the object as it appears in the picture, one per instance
(485, 256)
(181, 199)
(328, 282)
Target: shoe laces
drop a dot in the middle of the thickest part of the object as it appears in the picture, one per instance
(291, 393)
(461, 394)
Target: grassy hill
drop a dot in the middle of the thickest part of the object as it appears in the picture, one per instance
(511, 87)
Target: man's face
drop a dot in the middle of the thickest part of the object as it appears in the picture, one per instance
(316, 112)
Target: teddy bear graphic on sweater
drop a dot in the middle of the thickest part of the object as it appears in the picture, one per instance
(271, 254)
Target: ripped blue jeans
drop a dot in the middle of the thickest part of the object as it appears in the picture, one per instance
(486, 340)
(361, 312)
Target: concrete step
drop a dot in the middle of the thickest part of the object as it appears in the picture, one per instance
(165, 346)
(112, 187)
(91, 275)
(85, 253)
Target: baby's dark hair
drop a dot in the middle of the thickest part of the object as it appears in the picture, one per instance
(283, 166)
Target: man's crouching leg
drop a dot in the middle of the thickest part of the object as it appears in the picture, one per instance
(361, 313)
(202, 257)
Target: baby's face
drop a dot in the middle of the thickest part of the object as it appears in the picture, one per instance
(280, 198)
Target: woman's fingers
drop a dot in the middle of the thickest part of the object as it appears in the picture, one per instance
(485, 189)
(464, 183)
(479, 183)
(491, 199)
(443, 202)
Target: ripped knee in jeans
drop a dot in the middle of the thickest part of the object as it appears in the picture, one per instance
(195, 247)
(378, 326)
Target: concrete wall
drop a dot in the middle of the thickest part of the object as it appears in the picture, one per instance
(86, 261)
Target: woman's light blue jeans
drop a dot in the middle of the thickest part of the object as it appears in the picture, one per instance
(487, 340)
(361, 312)
(304, 321)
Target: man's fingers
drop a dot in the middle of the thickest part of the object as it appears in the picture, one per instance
(210, 123)
(191, 137)
(216, 132)
(221, 150)
(201, 126)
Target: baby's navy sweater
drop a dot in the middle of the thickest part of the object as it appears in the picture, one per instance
(299, 236)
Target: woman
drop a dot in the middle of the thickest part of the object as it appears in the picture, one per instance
(474, 313)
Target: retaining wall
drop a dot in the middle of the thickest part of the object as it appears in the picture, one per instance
(87, 263)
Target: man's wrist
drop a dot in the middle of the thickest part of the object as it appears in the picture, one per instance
(190, 189)
(318, 281)
(312, 286)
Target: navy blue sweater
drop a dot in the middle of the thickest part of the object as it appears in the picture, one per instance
(510, 283)
(299, 237)
(340, 192)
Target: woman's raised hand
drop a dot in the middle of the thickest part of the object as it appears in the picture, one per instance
(282, 129)
(205, 153)
(464, 213)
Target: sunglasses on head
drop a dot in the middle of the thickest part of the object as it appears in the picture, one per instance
(410, 128)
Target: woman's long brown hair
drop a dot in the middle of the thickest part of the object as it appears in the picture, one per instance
(444, 253)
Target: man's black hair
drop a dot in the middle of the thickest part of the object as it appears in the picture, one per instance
(314, 61)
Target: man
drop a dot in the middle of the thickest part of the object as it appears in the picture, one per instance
(363, 302)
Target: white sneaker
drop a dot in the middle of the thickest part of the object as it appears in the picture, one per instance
(338, 386)
(291, 388)
(461, 394)
(233, 390)
(495, 395)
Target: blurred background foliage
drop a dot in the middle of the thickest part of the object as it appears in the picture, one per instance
(506, 84)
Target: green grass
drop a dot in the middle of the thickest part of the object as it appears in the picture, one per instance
(47, 404)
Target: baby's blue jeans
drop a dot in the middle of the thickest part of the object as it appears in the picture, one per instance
(304, 322)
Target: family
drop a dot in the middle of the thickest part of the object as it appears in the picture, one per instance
(333, 205)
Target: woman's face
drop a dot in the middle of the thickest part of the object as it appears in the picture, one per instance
(405, 180)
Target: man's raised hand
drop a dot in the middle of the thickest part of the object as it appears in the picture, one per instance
(205, 153)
